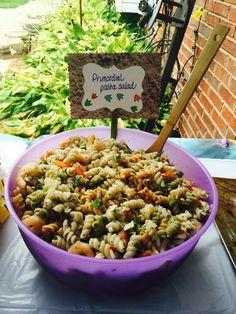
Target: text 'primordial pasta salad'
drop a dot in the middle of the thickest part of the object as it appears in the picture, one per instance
(98, 198)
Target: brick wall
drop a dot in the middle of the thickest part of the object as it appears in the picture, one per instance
(211, 112)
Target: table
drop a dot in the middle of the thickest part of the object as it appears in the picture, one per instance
(205, 282)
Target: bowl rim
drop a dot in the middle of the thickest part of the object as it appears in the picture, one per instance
(193, 240)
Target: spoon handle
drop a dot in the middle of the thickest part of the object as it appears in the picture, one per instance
(212, 46)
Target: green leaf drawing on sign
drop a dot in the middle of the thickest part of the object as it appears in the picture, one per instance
(88, 103)
(119, 96)
(108, 98)
(134, 108)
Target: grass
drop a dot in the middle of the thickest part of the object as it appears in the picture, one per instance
(10, 4)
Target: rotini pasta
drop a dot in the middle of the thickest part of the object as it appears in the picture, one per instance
(98, 198)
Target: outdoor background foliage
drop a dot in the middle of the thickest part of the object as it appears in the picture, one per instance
(34, 101)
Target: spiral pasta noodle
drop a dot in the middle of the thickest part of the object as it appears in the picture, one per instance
(98, 198)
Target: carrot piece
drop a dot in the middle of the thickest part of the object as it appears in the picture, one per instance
(169, 175)
(83, 168)
(146, 253)
(123, 235)
(48, 153)
(127, 214)
(78, 171)
(197, 202)
(113, 248)
(61, 164)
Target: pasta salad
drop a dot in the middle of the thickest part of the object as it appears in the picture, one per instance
(98, 198)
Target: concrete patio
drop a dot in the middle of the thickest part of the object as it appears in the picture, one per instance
(16, 25)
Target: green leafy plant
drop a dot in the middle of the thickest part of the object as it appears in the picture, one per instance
(35, 100)
(12, 3)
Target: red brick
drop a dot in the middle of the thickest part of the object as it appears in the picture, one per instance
(199, 51)
(200, 3)
(207, 134)
(182, 129)
(192, 111)
(204, 85)
(205, 103)
(222, 58)
(221, 9)
(199, 107)
(188, 41)
(187, 113)
(192, 126)
(212, 19)
(214, 105)
(232, 26)
(215, 99)
(230, 134)
(218, 134)
(211, 67)
(230, 46)
(232, 14)
(205, 29)
(221, 124)
(212, 80)
(198, 134)
(186, 51)
(185, 116)
(192, 102)
(226, 95)
(208, 122)
(189, 31)
(204, 16)
(231, 1)
(210, 5)
(232, 85)
(186, 127)
(199, 124)
(180, 54)
(221, 73)
(230, 117)
(181, 57)
(231, 65)
(201, 41)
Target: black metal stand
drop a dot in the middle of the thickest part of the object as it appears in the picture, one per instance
(180, 20)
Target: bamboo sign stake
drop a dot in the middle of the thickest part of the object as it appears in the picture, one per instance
(212, 46)
(80, 12)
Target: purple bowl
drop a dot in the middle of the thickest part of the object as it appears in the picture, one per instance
(117, 276)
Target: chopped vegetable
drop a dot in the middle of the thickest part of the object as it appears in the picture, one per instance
(97, 202)
(129, 226)
(169, 175)
(79, 171)
(61, 164)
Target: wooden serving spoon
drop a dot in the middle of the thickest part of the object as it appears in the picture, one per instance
(212, 46)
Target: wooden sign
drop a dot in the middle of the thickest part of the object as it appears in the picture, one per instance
(114, 85)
